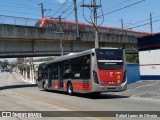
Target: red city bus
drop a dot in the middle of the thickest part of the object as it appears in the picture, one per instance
(92, 71)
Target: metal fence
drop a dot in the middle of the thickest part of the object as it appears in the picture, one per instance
(133, 68)
(17, 20)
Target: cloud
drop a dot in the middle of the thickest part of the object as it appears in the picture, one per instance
(61, 1)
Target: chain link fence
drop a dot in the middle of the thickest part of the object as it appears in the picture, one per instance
(17, 20)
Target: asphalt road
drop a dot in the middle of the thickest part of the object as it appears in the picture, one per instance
(16, 95)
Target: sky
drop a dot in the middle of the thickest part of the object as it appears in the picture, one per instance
(133, 16)
(134, 13)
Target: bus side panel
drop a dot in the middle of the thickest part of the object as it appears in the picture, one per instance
(81, 86)
(55, 84)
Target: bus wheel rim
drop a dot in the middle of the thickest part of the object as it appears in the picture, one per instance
(69, 89)
(44, 86)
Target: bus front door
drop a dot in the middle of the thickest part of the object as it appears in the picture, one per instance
(60, 75)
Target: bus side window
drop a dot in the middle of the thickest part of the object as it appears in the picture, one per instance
(67, 71)
(43, 73)
(55, 72)
(80, 67)
(86, 66)
(39, 74)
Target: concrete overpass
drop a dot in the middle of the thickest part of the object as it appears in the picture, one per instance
(21, 41)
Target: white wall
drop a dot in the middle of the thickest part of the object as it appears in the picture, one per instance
(149, 62)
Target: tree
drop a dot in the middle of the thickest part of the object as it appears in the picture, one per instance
(5, 64)
(132, 58)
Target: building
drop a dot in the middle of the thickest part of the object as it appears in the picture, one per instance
(149, 57)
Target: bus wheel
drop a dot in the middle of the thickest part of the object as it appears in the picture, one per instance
(44, 86)
(70, 89)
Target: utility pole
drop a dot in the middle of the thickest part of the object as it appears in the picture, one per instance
(94, 6)
(76, 19)
(151, 23)
(122, 24)
(60, 35)
(42, 9)
(95, 23)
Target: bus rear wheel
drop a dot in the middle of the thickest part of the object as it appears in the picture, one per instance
(44, 86)
(70, 89)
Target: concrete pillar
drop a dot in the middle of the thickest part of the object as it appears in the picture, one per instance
(32, 80)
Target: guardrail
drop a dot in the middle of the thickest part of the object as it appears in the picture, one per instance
(17, 20)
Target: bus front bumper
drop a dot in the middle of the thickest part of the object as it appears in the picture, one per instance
(113, 88)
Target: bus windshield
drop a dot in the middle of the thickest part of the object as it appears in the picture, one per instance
(109, 59)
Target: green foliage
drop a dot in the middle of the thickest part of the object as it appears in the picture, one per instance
(4, 64)
(132, 58)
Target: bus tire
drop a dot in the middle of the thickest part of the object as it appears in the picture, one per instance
(70, 89)
(44, 86)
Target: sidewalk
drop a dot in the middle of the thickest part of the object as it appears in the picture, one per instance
(22, 78)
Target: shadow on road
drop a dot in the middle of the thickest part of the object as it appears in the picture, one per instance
(102, 96)
(90, 96)
(17, 86)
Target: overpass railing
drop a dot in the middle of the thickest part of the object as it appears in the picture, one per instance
(17, 20)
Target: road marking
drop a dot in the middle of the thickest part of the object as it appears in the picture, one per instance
(62, 105)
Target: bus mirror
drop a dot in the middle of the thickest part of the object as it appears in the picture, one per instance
(93, 54)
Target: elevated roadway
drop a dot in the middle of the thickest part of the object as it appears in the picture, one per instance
(31, 41)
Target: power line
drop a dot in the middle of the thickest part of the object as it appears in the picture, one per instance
(49, 3)
(137, 22)
(118, 5)
(144, 24)
(60, 8)
(72, 10)
(69, 7)
(93, 6)
(141, 21)
(123, 8)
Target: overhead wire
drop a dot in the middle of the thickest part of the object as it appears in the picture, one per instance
(85, 17)
(141, 21)
(102, 13)
(60, 7)
(117, 5)
(72, 10)
(69, 7)
(144, 24)
(123, 8)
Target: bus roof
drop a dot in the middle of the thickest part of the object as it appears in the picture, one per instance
(73, 55)
(68, 56)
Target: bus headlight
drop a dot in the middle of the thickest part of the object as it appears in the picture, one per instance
(118, 81)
